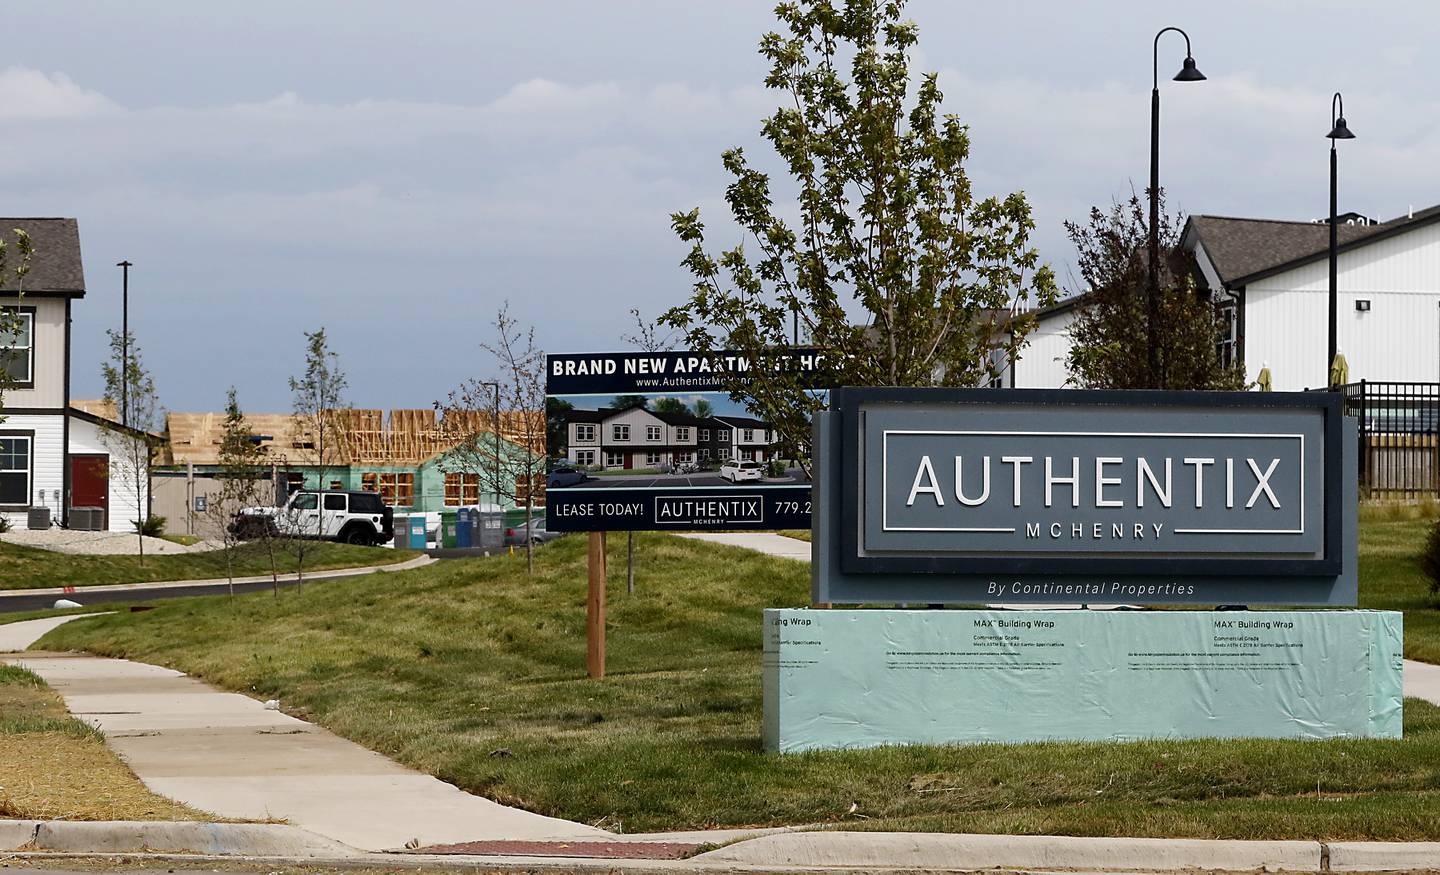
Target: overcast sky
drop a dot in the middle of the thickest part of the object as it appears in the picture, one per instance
(394, 171)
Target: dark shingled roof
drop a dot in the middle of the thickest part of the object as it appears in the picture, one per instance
(678, 418)
(55, 269)
(1245, 249)
(1242, 247)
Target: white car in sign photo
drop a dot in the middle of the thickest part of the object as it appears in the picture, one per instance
(735, 471)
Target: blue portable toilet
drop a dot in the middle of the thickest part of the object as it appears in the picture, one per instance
(417, 531)
(463, 528)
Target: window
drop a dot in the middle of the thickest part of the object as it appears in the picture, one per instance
(366, 504)
(652, 459)
(15, 470)
(704, 454)
(682, 433)
(396, 490)
(305, 501)
(748, 435)
(334, 502)
(17, 354)
(724, 454)
(746, 455)
(652, 433)
(724, 435)
(684, 458)
(704, 435)
(523, 492)
(585, 434)
(585, 457)
(462, 489)
(614, 460)
(620, 432)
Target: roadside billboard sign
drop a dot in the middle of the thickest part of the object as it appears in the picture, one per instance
(654, 441)
(1037, 496)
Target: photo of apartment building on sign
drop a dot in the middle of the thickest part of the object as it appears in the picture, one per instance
(638, 439)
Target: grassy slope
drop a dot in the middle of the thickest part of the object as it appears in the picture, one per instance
(30, 568)
(52, 765)
(441, 667)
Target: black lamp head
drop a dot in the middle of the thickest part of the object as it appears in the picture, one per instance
(1340, 131)
(1189, 72)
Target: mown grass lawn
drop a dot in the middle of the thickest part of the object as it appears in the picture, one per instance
(54, 766)
(31, 568)
(474, 672)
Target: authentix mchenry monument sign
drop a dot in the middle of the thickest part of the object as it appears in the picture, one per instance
(998, 498)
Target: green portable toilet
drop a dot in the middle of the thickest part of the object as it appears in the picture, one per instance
(449, 528)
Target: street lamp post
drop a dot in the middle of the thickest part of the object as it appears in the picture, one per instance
(496, 387)
(124, 341)
(1188, 73)
(1338, 131)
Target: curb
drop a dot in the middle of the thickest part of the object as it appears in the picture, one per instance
(417, 562)
(972, 852)
(822, 851)
(214, 839)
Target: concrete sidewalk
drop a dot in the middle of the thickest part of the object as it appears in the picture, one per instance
(59, 591)
(761, 542)
(225, 753)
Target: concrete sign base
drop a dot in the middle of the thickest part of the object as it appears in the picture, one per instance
(863, 678)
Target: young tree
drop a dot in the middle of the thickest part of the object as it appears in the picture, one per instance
(131, 389)
(318, 395)
(649, 336)
(893, 269)
(12, 325)
(241, 468)
(1109, 341)
(512, 468)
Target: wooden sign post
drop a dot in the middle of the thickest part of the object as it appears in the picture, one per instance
(595, 609)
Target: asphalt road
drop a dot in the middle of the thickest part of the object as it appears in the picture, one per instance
(11, 604)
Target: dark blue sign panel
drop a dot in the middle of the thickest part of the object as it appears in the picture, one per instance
(1074, 496)
(654, 441)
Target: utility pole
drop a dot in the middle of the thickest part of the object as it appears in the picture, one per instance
(124, 342)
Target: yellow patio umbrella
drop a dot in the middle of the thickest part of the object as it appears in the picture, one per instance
(1339, 370)
(1264, 380)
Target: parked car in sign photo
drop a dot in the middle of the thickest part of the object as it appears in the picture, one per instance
(565, 476)
(736, 472)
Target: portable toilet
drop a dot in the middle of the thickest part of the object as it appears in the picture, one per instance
(416, 527)
(463, 528)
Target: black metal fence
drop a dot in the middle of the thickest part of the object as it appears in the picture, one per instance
(1399, 438)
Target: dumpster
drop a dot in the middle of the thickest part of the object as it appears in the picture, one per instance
(463, 528)
(448, 532)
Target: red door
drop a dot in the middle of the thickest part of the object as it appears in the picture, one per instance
(90, 483)
(629, 461)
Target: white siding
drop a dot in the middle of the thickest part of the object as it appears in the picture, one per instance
(86, 437)
(1042, 359)
(1286, 316)
(47, 460)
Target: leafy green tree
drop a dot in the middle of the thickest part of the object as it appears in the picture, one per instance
(318, 394)
(891, 266)
(1109, 341)
(627, 402)
(11, 325)
(131, 389)
(703, 408)
(556, 437)
(669, 404)
(242, 464)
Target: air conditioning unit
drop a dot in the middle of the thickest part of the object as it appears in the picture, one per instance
(38, 519)
(87, 519)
